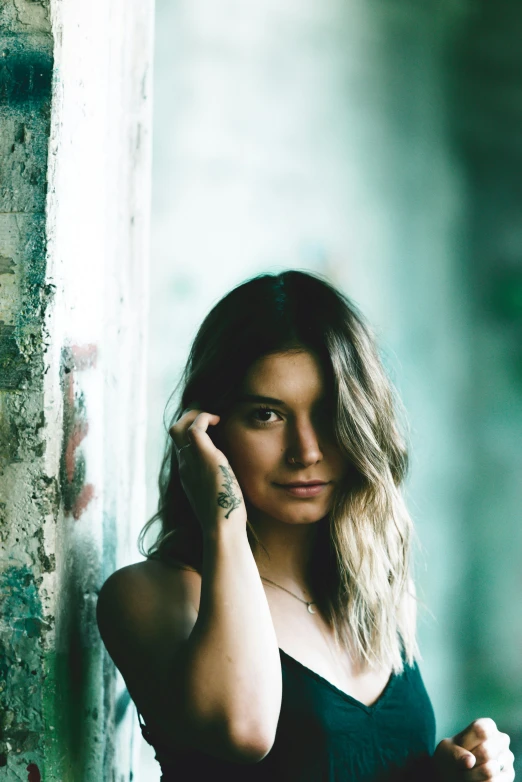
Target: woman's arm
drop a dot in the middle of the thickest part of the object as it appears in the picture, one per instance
(231, 660)
(210, 680)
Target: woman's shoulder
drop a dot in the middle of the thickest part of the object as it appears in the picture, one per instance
(169, 575)
(148, 588)
(145, 612)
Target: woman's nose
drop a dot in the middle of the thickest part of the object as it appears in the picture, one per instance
(304, 447)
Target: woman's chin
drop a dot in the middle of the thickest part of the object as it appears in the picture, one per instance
(291, 519)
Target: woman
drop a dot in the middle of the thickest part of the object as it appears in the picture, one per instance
(270, 633)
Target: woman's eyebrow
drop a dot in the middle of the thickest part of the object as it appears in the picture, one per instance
(270, 400)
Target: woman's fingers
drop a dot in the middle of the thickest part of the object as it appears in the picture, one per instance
(191, 424)
(177, 430)
(486, 772)
(498, 765)
(197, 432)
(206, 476)
(507, 762)
(476, 733)
(499, 770)
(494, 760)
(491, 748)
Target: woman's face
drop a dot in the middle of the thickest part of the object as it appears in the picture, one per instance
(280, 433)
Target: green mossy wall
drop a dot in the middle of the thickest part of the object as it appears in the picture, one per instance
(27, 494)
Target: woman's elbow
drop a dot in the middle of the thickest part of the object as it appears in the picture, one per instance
(252, 744)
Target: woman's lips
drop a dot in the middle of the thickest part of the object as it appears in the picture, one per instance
(310, 490)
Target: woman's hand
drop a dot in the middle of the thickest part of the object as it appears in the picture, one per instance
(479, 752)
(206, 476)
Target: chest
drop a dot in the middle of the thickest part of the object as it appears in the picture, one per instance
(308, 639)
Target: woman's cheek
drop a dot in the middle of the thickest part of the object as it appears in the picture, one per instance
(252, 453)
(247, 465)
(232, 442)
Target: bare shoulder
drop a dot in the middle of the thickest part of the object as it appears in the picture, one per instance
(145, 613)
(141, 597)
(152, 580)
(146, 616)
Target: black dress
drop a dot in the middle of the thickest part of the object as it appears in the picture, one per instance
(325, 735)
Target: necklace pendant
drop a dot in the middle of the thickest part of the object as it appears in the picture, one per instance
(310, 609)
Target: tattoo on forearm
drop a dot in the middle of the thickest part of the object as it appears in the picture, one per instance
(228, 499)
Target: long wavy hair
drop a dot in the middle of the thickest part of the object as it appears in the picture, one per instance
(360, 570)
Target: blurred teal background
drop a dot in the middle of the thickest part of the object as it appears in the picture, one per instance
(378, 143)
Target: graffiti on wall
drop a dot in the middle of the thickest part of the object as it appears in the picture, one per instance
(76, 493)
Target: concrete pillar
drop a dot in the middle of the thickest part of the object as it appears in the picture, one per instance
(74, 194)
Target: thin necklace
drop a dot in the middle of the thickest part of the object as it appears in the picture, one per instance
(308, 603)
(311, 610)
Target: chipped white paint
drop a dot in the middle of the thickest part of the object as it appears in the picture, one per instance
(97, 228)
(74, 491)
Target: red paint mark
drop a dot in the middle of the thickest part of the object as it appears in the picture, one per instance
(77, 435)
(70, 390)
(83, 499)
(76, 495)
(34, 773)
(85, 356)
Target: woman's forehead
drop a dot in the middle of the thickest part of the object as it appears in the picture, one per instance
(285, 374)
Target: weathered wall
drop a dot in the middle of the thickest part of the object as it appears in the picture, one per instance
(74, 189)
(28, 494)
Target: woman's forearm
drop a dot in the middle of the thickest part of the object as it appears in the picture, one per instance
(231, 660)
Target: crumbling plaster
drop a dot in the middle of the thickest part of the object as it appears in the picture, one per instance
(74, 200)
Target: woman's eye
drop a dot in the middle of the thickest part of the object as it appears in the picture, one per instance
(263, 415)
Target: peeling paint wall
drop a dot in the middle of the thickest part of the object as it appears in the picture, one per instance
(28, 494)
(74, 203)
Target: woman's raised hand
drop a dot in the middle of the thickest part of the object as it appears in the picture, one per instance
(206, 476)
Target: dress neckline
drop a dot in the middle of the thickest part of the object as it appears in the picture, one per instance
(314, 675)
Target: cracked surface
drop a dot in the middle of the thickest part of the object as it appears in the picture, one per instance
(28, 495)
(25, 16)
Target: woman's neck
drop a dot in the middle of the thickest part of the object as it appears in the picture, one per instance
(289, 549)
